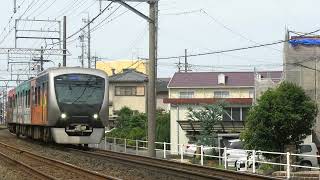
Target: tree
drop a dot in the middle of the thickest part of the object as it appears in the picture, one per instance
(163, 126)
(132, 124)
(282, 116)
(208, 116)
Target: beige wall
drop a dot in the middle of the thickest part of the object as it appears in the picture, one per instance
(177, 135)
(209, 92)
(133, 102)
(160, 104)
(180, 112)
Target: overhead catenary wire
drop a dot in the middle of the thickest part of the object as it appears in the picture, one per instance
(92, 20)
(112, 19)
(7, 27)
(45, 9)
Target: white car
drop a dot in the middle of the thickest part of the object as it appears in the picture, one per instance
(234, 152)
(191, 150)
(308, 149)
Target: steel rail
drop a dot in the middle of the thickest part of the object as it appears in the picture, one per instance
(189, 171)
(28, 169)
(68, 168)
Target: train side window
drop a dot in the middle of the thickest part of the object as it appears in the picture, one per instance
(24, 98)
(28, 99)
(39, 95)
(33, 96)
(18, 99)
(36, 96)
(42, 93)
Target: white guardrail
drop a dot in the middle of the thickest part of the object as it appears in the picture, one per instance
(140, 147)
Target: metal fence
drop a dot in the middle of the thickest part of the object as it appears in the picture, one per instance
(284, 161)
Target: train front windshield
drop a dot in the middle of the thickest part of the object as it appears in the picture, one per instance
(79, 94)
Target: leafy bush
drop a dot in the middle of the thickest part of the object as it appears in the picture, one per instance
(133, 125)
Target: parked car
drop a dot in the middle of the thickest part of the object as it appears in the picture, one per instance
(236, 153)
(308, 149)
(191, 150)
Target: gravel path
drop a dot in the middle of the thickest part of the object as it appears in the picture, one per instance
(104, 166)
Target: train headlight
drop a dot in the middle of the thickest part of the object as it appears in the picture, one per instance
(63, 115)
(95, 116)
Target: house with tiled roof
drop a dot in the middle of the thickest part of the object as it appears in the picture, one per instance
(237, 90)
(129, 88)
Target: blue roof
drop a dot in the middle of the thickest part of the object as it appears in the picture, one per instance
(305, 41)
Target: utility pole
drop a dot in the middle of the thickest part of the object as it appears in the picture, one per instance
(81, 38)
(179, 66)
(41, 59)
(185, 61)
(89, 42)
(64, 41)
(315, 81)
(152, 80)
(95, 61)
(14, 6)
(151, 93)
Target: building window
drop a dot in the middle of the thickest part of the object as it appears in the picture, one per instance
(187, 94)
(221, 94)
(140, 91)
(227, 114)
(251, 94)
(244, 113)
(130, 91)
(236, 114)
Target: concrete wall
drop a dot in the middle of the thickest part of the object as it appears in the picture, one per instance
(300, 64)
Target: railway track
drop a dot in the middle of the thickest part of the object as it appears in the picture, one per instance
(42, 167)
(175, 169)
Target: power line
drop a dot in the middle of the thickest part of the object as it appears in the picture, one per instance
(235, 49)
(10, 29)
(90, 21)
(64, 10)
(44, 10)
(96, 27)
(37, 9)
(233, 31)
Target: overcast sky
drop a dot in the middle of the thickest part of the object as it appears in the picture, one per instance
(197, 25)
